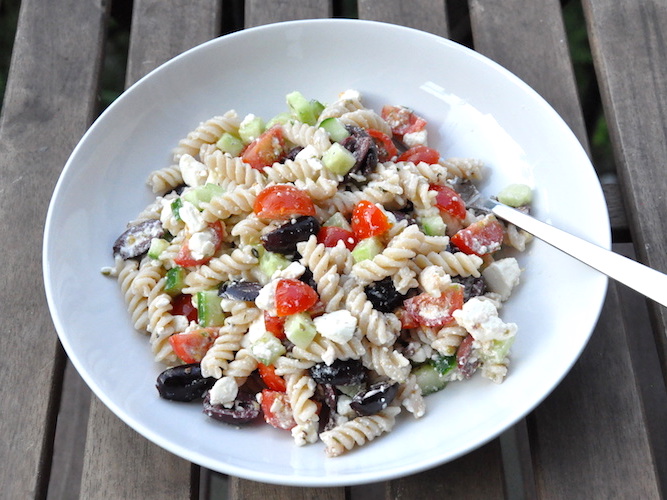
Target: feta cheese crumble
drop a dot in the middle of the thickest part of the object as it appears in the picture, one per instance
(337, 326)
(502, 276)
(480, 318)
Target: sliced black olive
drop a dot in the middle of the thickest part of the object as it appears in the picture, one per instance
(240, 290)
(376, 398)
(340, 372)
(245, 409)
(472, 287)
(308, 278)
(384, 296)
(284, 239)
(291, 154)
(364, 149)
(137, 239)
(183, 383)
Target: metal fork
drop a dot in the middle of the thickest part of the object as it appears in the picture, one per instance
(643, 279)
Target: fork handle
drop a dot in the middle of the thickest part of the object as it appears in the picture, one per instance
(643, 279)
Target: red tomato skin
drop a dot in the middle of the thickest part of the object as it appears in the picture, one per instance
(267, 149)
(282, 201)
(385, 147)
(281, 419)
(449, 201)
(331, 235)
(480, 238)
(294, 296)
(418, 154)
(184, 257)
(181, 305)
(368, 220)
(274, 325)
(402, 120)
(191, 347)
(407, 320)
(269, 377)
(435, 312)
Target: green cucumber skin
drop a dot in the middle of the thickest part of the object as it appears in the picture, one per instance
(209, 310)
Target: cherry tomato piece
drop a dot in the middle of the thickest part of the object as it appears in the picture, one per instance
(274, 325)
(191, 347)
(269, 377)
(294, 296)
(407, 320)
(331, 235)
(181, 305)
(368, 220)
(402, 120)
(480, 238)
(436, 312)
(283, 201)
(277, 410)
(384, 145)
(267, 149)
(418, 154)
(184, 257)
(449, 201)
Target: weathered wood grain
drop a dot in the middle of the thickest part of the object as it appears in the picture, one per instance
(121, 464)
(162, 30)
(478, 474)
(249, 490)
(49, 102)
(630, 56)
(425, 15)
(528, 38)
(258, 12)
(589, 437)
(159, 31)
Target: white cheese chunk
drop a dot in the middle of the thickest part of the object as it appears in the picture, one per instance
(266, 299)
(224, 391)
(337, 326)
(292, 272)
(306, 153)
(480, 318)
(416, 138)
(350, 94)
(502, 276)
(194, 173)
(202, 244)
(192, 217)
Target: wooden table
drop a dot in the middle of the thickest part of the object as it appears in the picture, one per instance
(601, 434)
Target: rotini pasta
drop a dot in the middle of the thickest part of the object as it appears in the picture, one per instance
(317, 266)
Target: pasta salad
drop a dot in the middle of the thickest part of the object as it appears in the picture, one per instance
(322, 271)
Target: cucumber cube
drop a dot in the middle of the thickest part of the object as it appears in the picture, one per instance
(270, 262)
(203, 194)
(251, 128)
(267, 349)
(209, 309)
(300, 329)
(279, 119)
(335, 128)
(338, 220)
(175, 280)
(516, 195)
(434, 226)
(429, 379)
(304, 110)
(338, 159)
(367, 249)
(158, 245)
(230, 144)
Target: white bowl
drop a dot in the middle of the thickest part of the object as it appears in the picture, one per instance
(474, 107)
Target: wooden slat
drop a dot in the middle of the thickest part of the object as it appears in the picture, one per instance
(630, 54)
(159, 31)
(249, 490)
(589, 436)
(425, 15)
(258, 12)
(476, 475)
(528, 38)
(49, 102)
